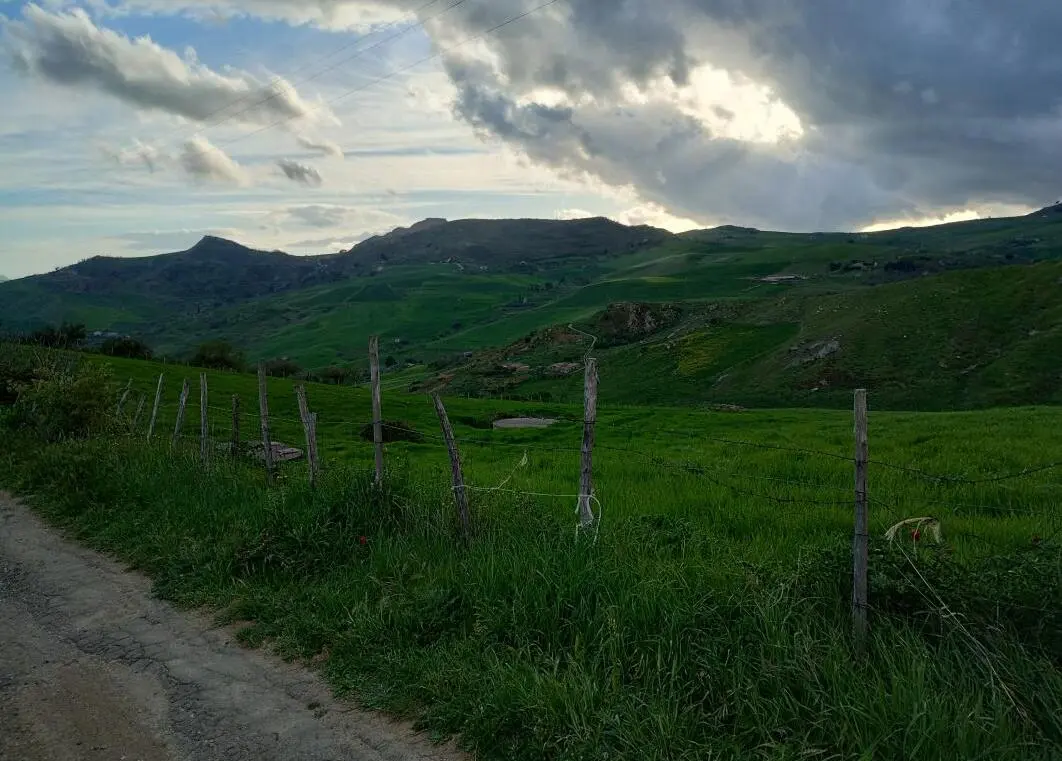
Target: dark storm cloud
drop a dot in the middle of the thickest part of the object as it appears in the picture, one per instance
(907, 107)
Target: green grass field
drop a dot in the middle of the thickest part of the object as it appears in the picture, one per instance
(707, 615)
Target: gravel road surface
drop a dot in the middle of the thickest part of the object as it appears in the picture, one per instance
(93, 668)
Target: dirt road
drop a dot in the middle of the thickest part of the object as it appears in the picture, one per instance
(93, 668)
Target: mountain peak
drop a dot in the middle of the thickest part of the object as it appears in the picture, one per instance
(208, 241)
(1054, 210)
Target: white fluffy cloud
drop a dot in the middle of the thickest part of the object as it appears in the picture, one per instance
(320, 145)
(67, 48)
(203, 160)
(138, 154)
(300, 173)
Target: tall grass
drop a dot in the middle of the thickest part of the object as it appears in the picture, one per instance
(669, 637)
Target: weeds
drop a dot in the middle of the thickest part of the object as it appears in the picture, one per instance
(659, 642)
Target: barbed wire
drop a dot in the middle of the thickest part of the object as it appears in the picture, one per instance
(936, 478)
(967, 481)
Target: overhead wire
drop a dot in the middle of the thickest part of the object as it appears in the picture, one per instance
(395, 72)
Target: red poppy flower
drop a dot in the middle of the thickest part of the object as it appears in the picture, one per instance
(364, 540)
(916, 534)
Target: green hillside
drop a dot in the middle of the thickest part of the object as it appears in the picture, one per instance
(957, 315)
(970, 338)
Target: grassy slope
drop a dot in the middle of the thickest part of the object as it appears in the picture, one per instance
(939, 442)
(429, 311)
(709, 619)
(963, 339)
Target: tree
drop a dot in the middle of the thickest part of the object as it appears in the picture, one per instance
(130, 348)
(336, 375)
(282, 368)
(218, 355)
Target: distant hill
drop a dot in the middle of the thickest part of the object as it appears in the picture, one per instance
(929, 317)
(214, 269)
(503, 243)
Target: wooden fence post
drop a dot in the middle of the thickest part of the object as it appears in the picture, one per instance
(377, 412)
(155, 409)
(586, 482)
(180, 411)
(263, 411)
(235, 425)
(139, 411)
(460, 494)
(125, 395)
(204, 432)
(315, 464)
(860, 538)
(310, 428)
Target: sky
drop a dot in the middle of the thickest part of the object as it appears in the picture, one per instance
(134, 127)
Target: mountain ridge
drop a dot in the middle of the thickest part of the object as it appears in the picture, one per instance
(439, 289)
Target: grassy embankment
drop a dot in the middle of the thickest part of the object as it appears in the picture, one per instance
(709, 618)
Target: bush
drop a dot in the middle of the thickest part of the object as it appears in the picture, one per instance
(218, 355)
(66, 399)
(16, 369)
(130, 348)
(282, 368)
(336, 375)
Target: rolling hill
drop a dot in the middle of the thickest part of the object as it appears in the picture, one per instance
(950, 316)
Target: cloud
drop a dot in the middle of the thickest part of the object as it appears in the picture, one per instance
(68, 49)
(326, 216)
(203, 160)
(328, 14)
(644, 214)
(326, 147)
(300, 173)
(140, 153)
(801, 116)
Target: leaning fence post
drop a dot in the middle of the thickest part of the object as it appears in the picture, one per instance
(460, 494)
(204, 432)
(180, 411)
(586, 484)
(263, 411)
(125, 395)
(139, 411)
(377, 412)
(155, 409)
(308, 425)
(235, 425)
(860, 538)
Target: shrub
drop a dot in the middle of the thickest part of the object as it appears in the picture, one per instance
(131, 348)
(337, 375)
(16, 369)
(66, 399)
(282, 368)
(218, 355)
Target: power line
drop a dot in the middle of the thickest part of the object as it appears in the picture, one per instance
(400, 70)
(281, 79)
(331, 67)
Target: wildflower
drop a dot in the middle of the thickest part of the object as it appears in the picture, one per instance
(916, 535)
(364, 540)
